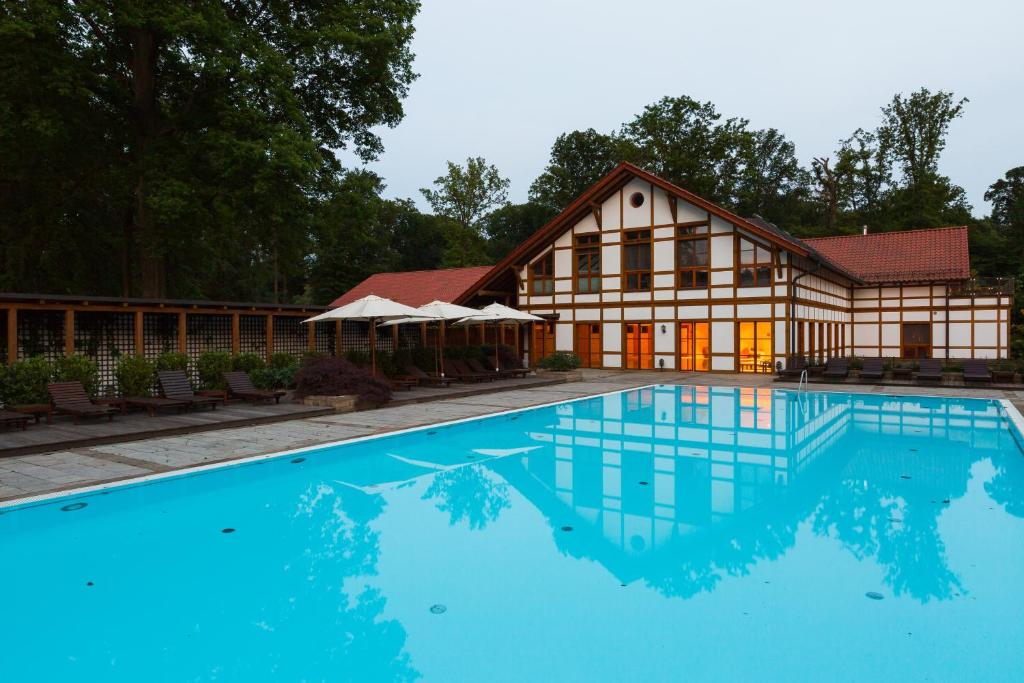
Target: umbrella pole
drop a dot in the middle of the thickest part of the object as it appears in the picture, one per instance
(440, 351)
(373, 345)
(497, 336)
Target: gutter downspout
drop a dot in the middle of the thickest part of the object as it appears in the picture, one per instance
(792, 305)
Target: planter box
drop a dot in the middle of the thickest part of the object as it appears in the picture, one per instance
(340, 404)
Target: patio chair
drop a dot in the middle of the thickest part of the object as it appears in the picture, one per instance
(795, 365)
(396, 383)
(69, 398)
(929, 370)
(417, 373)
(837, 368)
(463, 373)
(175, 384)
(10, 418)
(240, 386)
(151, 405)
(976, 370)
(478, 366)
(506, 372)
(872, 368)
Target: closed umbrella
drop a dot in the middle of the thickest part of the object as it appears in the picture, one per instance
(371, 309)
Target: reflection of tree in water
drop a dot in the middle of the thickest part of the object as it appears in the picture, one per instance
(469, 493)
(895, 520)
(340, 617)
(1005, 487)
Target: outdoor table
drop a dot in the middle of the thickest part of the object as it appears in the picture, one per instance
(36, 410)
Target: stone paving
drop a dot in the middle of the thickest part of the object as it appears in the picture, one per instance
(30, 475)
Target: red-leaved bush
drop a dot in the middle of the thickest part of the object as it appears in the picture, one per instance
(332, 376)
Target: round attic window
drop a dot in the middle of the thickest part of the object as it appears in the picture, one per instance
(636, 199)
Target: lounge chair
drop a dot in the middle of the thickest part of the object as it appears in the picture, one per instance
(976, 370)
(69, 398)
(478, 366)
(10, 418)
(507, 372)
(463, 373)
(837, 368)
(795, 366)
(873, 368)
(151, 405)
(240, 386)
(402, 383)
(176, 385)
(417, 373)
(929, 370)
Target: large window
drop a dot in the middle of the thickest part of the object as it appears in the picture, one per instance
(755, 267)
(542, 275)
(588, 263)
(917, 340)
(692, 256)
(755, 347)
(694, 347)
(588, 344)
(636, 260)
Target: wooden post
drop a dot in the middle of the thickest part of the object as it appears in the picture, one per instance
(140, 348)
(12, 335)
(182, 333)
(394, 337)
(337, 337)
(236, 333)
(69, 331)
(311, 336)
(270, 335)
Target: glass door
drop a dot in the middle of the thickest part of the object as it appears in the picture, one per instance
(639, 346)
(755, 346)
(917, 340)
(543, 341)
(694, 347)
(588, 344)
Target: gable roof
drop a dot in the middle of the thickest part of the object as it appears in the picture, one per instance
(615, 179)
(415, 287)
(906, 256)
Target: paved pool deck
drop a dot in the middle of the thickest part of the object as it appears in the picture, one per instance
(32, 475)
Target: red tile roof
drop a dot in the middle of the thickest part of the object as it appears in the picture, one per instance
(416, 287)
(906, 256)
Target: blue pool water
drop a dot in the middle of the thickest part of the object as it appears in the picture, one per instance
(663, 534)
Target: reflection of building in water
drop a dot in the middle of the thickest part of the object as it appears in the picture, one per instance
(660, 468)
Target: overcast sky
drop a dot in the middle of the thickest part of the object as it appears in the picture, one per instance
(502, 79)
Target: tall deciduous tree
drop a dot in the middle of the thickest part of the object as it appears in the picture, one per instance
(914, 129)
(466, 194)
(578, 160)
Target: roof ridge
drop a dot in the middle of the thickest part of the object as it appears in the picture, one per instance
(424, 270)
(887, 232)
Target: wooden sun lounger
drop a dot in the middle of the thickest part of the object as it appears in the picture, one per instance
(240, 386)
(976, 370)
(795, 365)
(175, 384)
(837, 368)
(462, 372)
(507, 372)
(477, 366)
(11, 419)
(151, 405)
(873, 368)
(929, 370)
(69, 398)
(418, 374)
(402, 383)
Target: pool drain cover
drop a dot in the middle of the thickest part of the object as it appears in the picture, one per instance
(296, 461)
(71, 507)
(566, 528)
(643, 483)
(438, 609)
(227, 530)
(874, 596)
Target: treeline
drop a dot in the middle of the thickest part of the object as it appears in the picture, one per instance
(188, 149)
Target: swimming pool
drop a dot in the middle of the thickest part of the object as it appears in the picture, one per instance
(666, 533)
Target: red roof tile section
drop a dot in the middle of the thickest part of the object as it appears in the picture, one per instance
(907, 256)
(415, 287)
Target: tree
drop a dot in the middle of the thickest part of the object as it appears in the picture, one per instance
(466, 195)
(771, 183)
(913, 131)
(1007, 197)
(511, 225)
(578, 160)
(192, 105)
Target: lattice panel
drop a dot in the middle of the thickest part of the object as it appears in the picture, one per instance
(325, 336)
(356, 335)
(159, 334)
(208, 333)
(289, 335)
(105, 337)
(409, 336)
(252, 334)
(40, 333)
(3, 336)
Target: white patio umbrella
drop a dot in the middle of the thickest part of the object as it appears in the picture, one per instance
(441, 312)
(372, 309)
(504, 314)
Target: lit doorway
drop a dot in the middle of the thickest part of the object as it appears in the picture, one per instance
(588, 344)
(694, 347)
(639, 346)
(917, 340)
(755, 346)
(542, 343)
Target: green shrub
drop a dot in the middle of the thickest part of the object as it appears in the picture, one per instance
(135, 375)
(78, 368)
(357, 357)
(282, 361)
(247, 362)
(274, 378)
(561, 361)
(172, 360)
(211, 366)
(25, 381)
